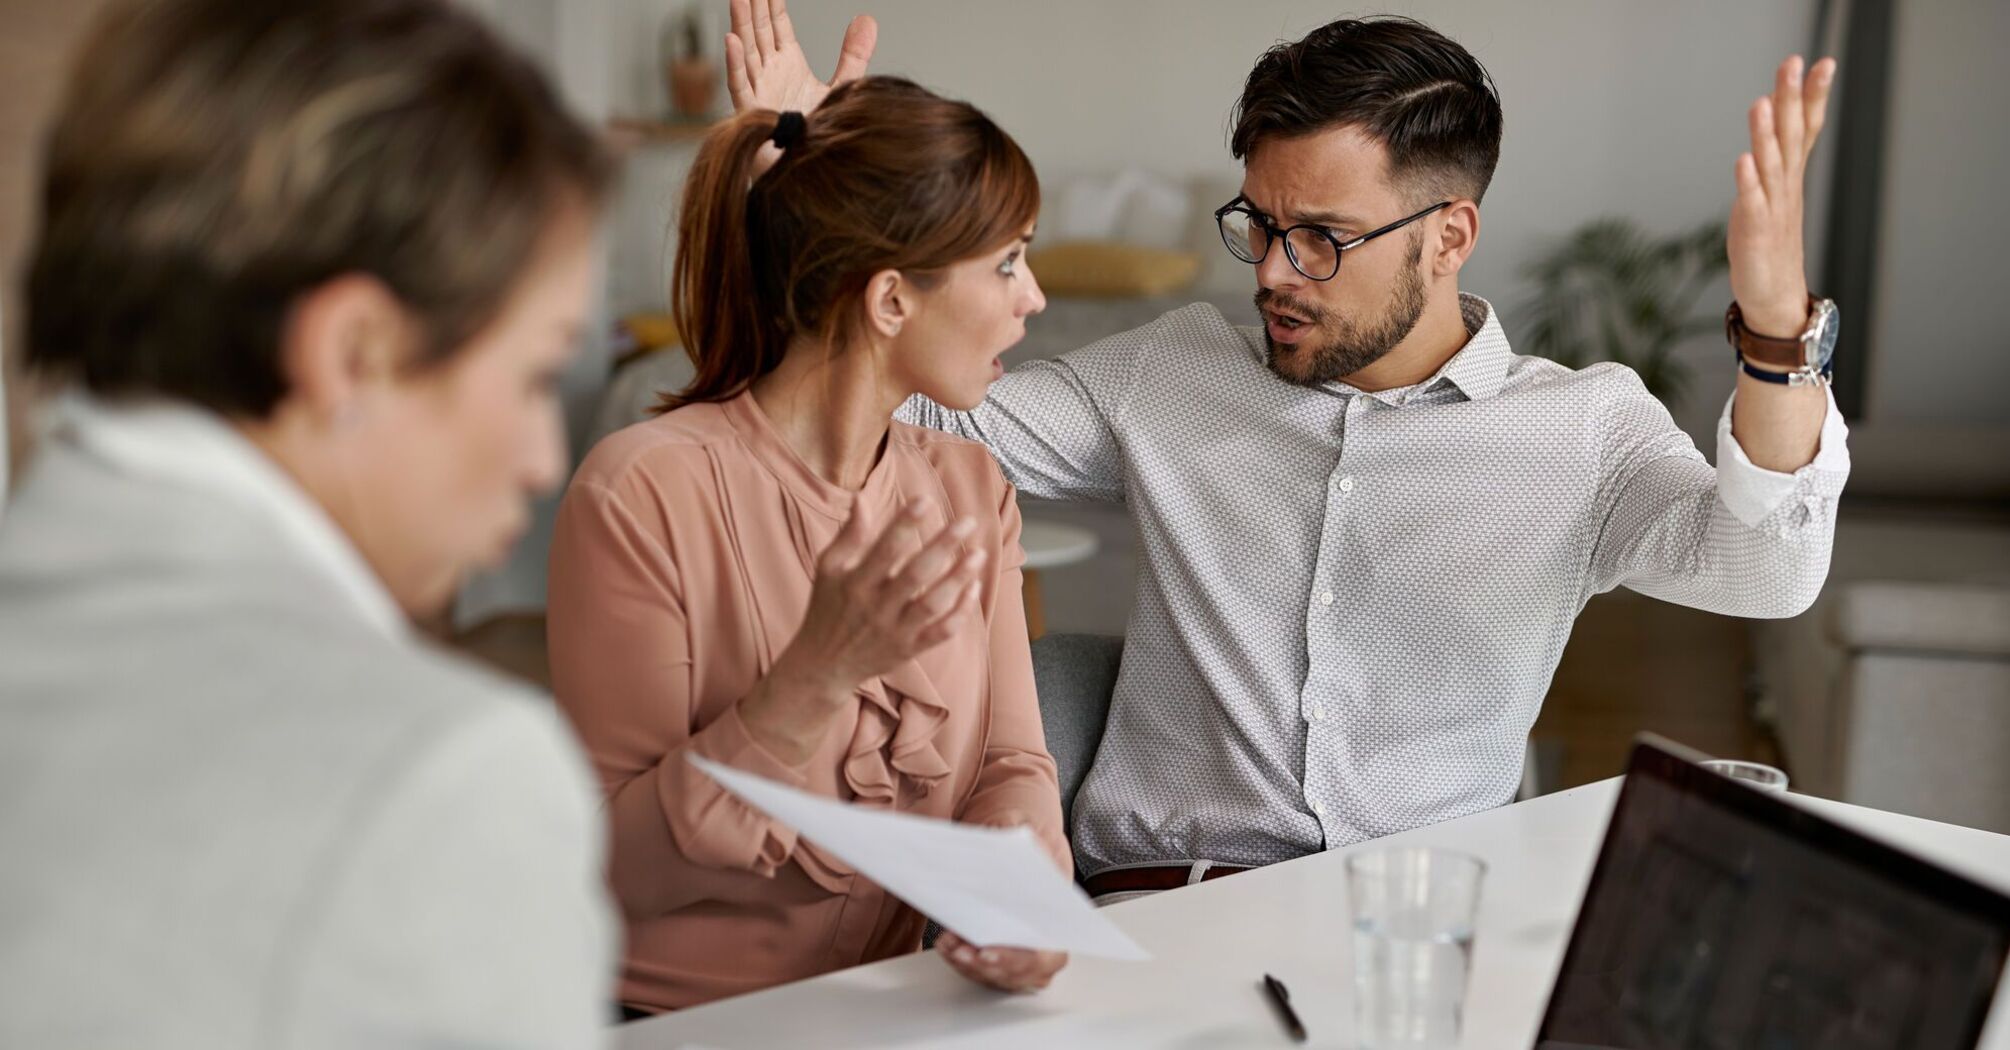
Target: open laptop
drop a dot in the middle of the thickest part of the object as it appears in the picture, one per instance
(1720, 917)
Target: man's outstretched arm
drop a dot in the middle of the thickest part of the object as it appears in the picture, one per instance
(1777, 426)
(1752, 537)
(1051, 424)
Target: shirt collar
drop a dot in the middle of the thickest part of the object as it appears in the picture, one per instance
(195, 449)
(1478, 370)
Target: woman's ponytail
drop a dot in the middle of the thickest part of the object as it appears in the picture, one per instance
(714, 297)
(883, 176)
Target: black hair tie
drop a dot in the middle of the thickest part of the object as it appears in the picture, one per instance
(789, 130)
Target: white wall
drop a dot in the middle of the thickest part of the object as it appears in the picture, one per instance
(1632, 108)
(1942, 351)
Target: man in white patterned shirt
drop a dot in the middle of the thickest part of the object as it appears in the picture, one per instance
(1367, 528)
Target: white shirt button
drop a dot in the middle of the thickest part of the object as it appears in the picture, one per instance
(1318, 712)
(1325, 597)
(1347, 483)
(1318, 808)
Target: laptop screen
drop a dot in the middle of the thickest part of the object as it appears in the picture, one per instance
(1719, 916)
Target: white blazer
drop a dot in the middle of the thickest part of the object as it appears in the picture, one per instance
(241, 805)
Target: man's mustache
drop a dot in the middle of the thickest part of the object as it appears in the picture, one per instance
(1265, 297)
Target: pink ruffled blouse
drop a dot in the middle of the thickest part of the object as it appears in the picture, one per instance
(680, 568)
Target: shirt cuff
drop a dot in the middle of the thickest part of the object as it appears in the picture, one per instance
(710, 825)
(1752, 492)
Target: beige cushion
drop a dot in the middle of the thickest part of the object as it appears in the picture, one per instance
(1923, 617)
(1934, 461)
(1103, 269)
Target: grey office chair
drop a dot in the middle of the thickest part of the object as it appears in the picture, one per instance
(1075, 675)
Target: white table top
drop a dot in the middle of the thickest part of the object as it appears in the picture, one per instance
(1213, 942)
(1051, 544)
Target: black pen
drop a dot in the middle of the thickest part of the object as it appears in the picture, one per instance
(1281, 996)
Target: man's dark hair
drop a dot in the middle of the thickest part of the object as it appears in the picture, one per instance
(1425, 98)
(216, 159)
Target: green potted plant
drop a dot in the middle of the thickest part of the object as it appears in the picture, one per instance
(1610, 291)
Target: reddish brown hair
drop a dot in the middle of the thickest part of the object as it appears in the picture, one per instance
(887, 176)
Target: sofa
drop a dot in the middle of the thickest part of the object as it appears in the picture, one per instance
(1893, 690)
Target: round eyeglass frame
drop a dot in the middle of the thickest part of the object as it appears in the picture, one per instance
(1274, 235)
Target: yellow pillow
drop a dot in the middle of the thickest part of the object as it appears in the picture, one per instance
(1108, 270)
(652, 331)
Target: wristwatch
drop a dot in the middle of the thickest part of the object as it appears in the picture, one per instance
(1808, 357)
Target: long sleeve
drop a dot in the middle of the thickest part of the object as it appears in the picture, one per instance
(1738, 540)
(468, 908)
(621, 666)
(1053, 424)
(1017, 784)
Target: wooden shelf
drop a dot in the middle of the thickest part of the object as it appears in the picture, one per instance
(632, 132)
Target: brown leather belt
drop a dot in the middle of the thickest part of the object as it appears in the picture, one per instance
(1157, 877)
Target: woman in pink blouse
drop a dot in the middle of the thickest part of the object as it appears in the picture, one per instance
(775, 575)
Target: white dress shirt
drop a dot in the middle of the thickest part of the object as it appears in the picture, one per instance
(1349, 604)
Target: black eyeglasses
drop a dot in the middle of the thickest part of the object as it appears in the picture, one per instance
(1313, 250)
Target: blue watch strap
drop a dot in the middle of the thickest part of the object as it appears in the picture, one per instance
(1764, 376)
(1782, 378)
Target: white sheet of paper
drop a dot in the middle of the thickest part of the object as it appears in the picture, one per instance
(993, 886)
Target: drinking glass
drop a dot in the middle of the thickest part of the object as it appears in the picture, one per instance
(1763, 777)
(1413, 944)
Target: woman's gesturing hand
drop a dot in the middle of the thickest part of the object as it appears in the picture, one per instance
(878, 602)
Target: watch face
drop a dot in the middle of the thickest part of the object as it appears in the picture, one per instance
(1820, 344)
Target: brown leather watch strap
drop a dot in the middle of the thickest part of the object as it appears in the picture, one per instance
(1764, 349)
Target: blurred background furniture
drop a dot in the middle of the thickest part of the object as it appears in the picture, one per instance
(1894, 690)
(1049, 545)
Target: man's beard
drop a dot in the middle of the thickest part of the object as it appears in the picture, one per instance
(1351, 345)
